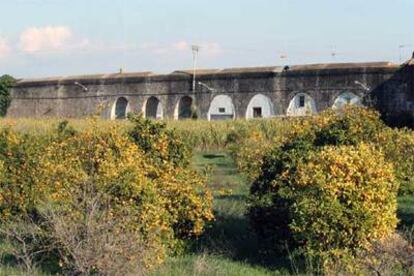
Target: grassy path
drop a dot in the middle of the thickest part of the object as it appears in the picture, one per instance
(227, 247)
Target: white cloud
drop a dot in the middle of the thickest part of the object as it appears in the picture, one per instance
(181, 46)
(50, 38)
(4, 48)
(212, 48)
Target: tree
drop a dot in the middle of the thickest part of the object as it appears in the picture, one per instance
(6, 82)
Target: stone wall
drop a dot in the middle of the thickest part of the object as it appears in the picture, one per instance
(392, 87)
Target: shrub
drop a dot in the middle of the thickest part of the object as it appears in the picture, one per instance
(248, 144)
(23, 242)
(6, 82)
(344, 198)
(160, 144)
(398, 147)
(350, 127)
(95, 237)
(148, 196)
(20, 155)
(281, 204)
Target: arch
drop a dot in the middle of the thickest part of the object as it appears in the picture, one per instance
(184, 108)
(302, 104)
(221, 108)
(120, 109)
(153, 108)
(347, 98)
(260, 106)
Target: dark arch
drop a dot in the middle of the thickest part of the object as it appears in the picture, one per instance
(153, 108)
(184, 109)
(120, 108)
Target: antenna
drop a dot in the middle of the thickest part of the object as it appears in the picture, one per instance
(333, 53)
(400, 49)
(195, 49)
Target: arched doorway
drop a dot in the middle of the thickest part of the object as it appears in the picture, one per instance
(153, 108)
(347, 98)
(184, 108)
(120, 109)
(301, 105)
(221, 108)
(260, 106)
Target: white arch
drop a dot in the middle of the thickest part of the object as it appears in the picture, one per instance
(221, 108)
(260, 106)
(153, 108)
(347, 98)
(301, 105)
(120, 108)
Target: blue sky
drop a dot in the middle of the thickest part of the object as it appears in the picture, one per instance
(64, 37)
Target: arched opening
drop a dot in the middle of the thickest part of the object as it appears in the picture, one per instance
(347, 98)
(120, 109)
(301, 105)
(260, 106)
(221, 108)
(153, 108)
(184, 108)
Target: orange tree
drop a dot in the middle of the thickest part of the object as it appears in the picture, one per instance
(166, 202)
(292, 192)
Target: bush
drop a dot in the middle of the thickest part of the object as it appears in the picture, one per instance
(160, 144)
(6, 82)
(398, 147)
(20, 156)
(292, 201)
(248, 144)
(93, 236)
(100, 184)
(344, 198)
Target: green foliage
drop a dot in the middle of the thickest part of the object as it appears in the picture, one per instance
(344, 198)
(20, 156)
(162, 145)
(349, 127)
(6, 82)
(398, 147)
(142, 181)
(280, 200)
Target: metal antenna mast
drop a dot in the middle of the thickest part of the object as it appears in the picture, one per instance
(400, 49)
(195, 49)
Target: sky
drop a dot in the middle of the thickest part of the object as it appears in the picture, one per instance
(41, 38)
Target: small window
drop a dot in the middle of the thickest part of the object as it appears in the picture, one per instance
(257, 112)
(222, 110)
(302, 101)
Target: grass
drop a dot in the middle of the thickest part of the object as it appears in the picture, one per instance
(200, 134)
(228, 247)
(205, 264)
(406, 211)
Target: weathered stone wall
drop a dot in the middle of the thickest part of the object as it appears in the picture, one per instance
(391, 85)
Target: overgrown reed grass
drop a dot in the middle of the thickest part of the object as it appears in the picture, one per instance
(201, 135)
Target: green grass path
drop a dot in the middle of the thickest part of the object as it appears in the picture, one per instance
(227, 247)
